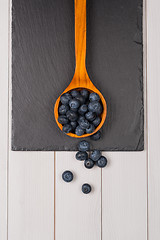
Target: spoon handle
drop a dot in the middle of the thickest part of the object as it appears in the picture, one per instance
(80, 38)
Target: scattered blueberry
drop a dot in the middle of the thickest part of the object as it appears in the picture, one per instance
(84, 146)
(67, 128)
(96, 121)
(90, 129)
(74, 93)
(65, 98)
(83, 109)
(79, 131)
(72, 116)
(84, 93)
(86, 188)
(102, 162)
(89, 163)
(95, 155)
(94, 97)
(74, 104)
(81, 156)
(63, 109)
(67, 176)
(96, 136)
(95, 107)
(62, 119)
(84, 124)
(90, 116)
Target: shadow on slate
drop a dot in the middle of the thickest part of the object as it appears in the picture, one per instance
(43, 63)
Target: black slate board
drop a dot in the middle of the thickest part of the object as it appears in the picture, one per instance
(43, 65)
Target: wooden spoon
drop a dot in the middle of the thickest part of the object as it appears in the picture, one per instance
(81, 78)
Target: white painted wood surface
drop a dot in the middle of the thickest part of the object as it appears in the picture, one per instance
(3, 116)
(117, 208)
(153, 86)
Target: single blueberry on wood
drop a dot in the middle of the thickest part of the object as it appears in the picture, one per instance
(83, 109)
(79, 131)
(96, 136)
(74, 104)
(65, 98)
(84, 146)
(86, 188)
(67, 176)
(84, 93)
(67, 128)
(81, 156)
(84, 124)
(90, 129)
(74, 93)
(62, 119)
(72, 116)
(89, 163)
(63, 109)
(95, 107)
(96, 121)
(95, 155)
(94, 97)
(102, 162)
(90, 116)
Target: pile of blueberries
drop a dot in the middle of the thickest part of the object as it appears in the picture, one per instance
(80, 111)
(94, 158)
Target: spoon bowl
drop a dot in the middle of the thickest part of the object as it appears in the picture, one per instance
(81, 79)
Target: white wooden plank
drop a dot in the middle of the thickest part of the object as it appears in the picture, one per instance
(31, 196)
(153, 93)
(124, 191)
(78, 216)
(4, 116)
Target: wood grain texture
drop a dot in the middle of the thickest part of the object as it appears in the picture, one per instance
(4, 6)
(78, 216)
(153, 94)
(124, 197)
(31, 196)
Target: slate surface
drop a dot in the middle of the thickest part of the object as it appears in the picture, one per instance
(43, 65)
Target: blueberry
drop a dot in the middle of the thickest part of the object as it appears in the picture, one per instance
(95, 155)
(63, 119)
(86, 188)
(74, 93)
(96, 136)
(65, 98)
(84, 124)
(90, 116)
(79, 131)
(73, 124)
(94, 97)
(80, 119)
(84, 93)
(74, 104)
(81, 99)
(90, 129)
(63, 109)
(89, 163)
(81, 156)
(67, 176)
(83, 109)
(84, 146)
(102, 162)
(72, 116)
(96, 121)
(67, 128)
(95, 106)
